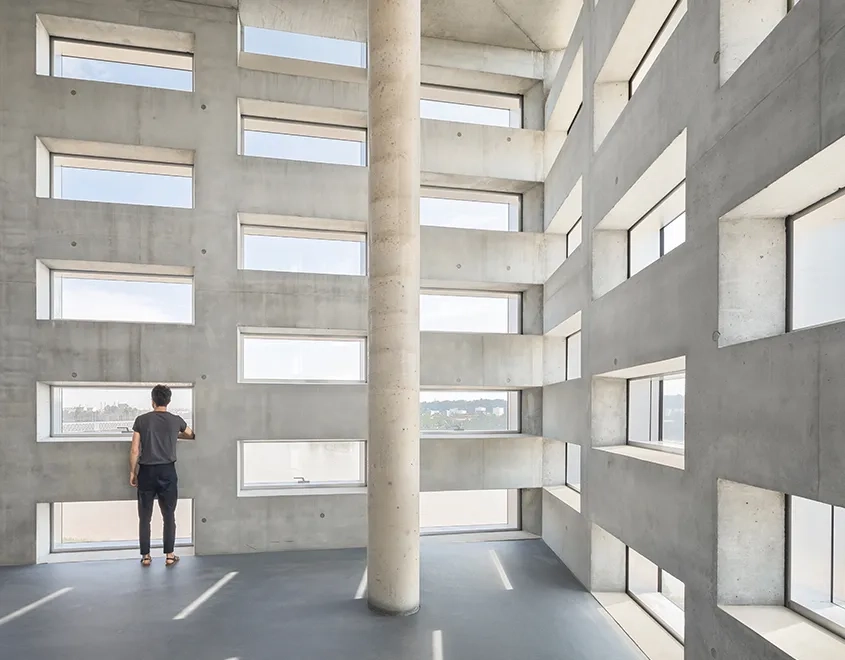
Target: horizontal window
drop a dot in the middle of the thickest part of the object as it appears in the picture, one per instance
(304, 251)
(817, 243)
(112, 525)
(470, 107)
(469, 510)
(303, 358)
(464, 209)
(659, 232)
(460, 312)
(659, 593)
(656, 411)
(469, 412)
(573, 238)
(315, 143)
(85, 296)
(817, 562)
(303, 464)
(573, 466)
(90, 179)
(573, 356)
(304, 47)
(659, 43)
(118, 64)
(108, 412)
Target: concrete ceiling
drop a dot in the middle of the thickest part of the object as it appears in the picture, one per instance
(525, 24)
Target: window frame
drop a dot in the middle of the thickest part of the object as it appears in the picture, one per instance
(290, 335)
(575, 118)
(269, 487)
(661, 244)
(114, 276)
(308, 234)
(581, 355)
(514, 299)
(570, 250)
(632, 85)
(316, 130)
(647, 607)
(121, 54)
(831, 625)
(513, 200)
(514, 518)
(362, 44)
(513, 414)
(514, 103)
(659, 444)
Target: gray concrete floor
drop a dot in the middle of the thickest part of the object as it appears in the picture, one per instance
(300, 605)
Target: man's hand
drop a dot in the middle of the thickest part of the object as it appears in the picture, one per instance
(133, 480)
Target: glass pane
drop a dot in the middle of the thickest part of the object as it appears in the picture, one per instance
(639, 410)
(111, 411)
(466, 509)
(644, 245)
(573, 465)
(674, 399)
(642, 574)
(272, 358)
(304, 255)
(468, 114)
(94, 299)
(113, 524)
(818, 269)
(122, 73)
(675, 233)
(659, 43)
(810, 552)
(672, 588)
(91, 185)
(444, 412)
(573, 238)
(304, 47)
(458, 313)
(465, 214)
(839, 556)
(268, 464)
(304, 148)
(573, 356)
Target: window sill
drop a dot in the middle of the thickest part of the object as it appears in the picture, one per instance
(294, 67)
(567, 495)
(652, 639)
(300, 492)
(788, 631)
(649, 455)
(476, 435)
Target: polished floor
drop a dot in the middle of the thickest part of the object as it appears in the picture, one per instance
(506, 600)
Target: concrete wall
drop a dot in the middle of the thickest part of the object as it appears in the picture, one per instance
(758, 412)
(204, 239)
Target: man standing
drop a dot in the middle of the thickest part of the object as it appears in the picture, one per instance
(152, 469)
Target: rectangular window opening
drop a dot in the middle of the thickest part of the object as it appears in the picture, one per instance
(467, 412)
(663, 35)
(468, 209)
(303, 250)
(293, 45)
(315, 143)
(450, 512)
(303, 464)
(573, 356)
(101, 412)
(442, 311)
(470, 106)
(573, 466)
(111, 525)
(658, 232)
(116, 181)
(142, 67)
(573, 237)
(658, 592)
(656, 412)
(293, 358)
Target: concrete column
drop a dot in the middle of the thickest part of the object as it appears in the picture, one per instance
(393, 553)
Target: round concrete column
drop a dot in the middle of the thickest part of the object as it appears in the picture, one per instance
(393, 553)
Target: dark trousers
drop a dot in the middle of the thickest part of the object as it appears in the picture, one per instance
(157, 482)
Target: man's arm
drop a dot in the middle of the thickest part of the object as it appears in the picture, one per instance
(187, 434)
(134, 454)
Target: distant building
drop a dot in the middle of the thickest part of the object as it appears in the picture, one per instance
(481, 409)
(499, 412)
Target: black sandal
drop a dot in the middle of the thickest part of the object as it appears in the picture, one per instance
(146, 560)
(170, 561)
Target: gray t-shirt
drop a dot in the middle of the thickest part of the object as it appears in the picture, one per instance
(159, 432)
